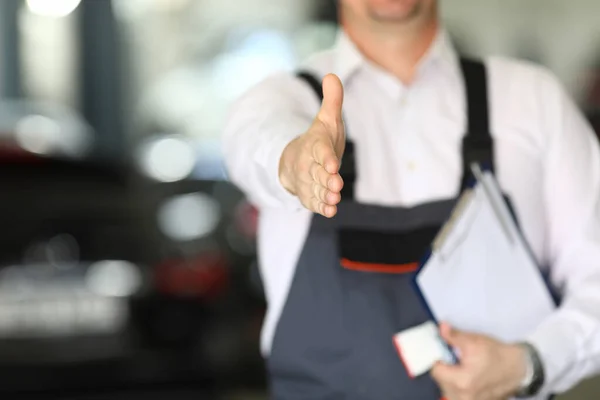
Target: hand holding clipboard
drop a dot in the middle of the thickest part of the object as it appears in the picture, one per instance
(480, 277)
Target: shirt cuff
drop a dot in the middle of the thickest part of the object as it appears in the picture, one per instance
(556, 341)
(272, 157)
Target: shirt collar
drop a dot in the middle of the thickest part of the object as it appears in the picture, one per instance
(441, 54)
(349, 60)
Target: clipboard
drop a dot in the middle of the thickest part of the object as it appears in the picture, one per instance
(480, 223)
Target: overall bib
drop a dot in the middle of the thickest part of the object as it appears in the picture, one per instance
(352, 288)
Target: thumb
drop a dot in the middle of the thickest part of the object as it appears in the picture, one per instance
(333, 97)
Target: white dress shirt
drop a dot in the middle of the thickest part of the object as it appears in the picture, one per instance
(408, 141)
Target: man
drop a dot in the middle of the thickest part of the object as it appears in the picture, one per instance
(347, 210)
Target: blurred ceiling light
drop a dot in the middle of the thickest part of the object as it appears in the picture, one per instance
(158, 105)
(52, 8)
(210, 164)
(138, 8)
(189, 216)
(167, 159)
(253, 58)
(38, 134)
(171, 5)
(114, 278)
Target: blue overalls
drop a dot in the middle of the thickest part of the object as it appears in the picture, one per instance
(352, 288)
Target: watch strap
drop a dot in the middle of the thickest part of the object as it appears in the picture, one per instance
(534, 382)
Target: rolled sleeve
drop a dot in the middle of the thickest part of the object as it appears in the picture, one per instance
(270, 161)
(569, 340)
(259, 127)
(563, 342)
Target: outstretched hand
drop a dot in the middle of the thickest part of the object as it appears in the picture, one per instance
(309, 166)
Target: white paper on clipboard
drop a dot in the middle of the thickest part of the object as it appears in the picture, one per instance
(481, 277)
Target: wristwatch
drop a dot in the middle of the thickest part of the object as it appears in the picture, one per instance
(534, 378)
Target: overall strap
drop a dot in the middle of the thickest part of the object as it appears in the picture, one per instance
(477, 146)
(348, 167)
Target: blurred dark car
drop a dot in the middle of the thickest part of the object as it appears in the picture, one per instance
(110, 280)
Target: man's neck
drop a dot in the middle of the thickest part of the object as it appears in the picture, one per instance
(397, 50)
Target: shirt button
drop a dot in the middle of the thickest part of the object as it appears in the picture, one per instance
(411, 166)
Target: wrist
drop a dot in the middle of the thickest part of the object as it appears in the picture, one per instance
(518, 369)
(528, 369)
(533, 377)
(285, 171)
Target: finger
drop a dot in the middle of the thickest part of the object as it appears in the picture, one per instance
(319, 175)
(320, 192)
(445, 374)
(449, 394)
(319, 207)
(333, 98)
(324, 154)
(455, 337)
(329, 211)
(455, 380)
(326, 196)
(316, 206)
(333, 183)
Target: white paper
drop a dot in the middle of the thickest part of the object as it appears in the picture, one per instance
(421, 347)
(482, 279)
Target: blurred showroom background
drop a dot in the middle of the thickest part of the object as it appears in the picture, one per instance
(127, 261)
